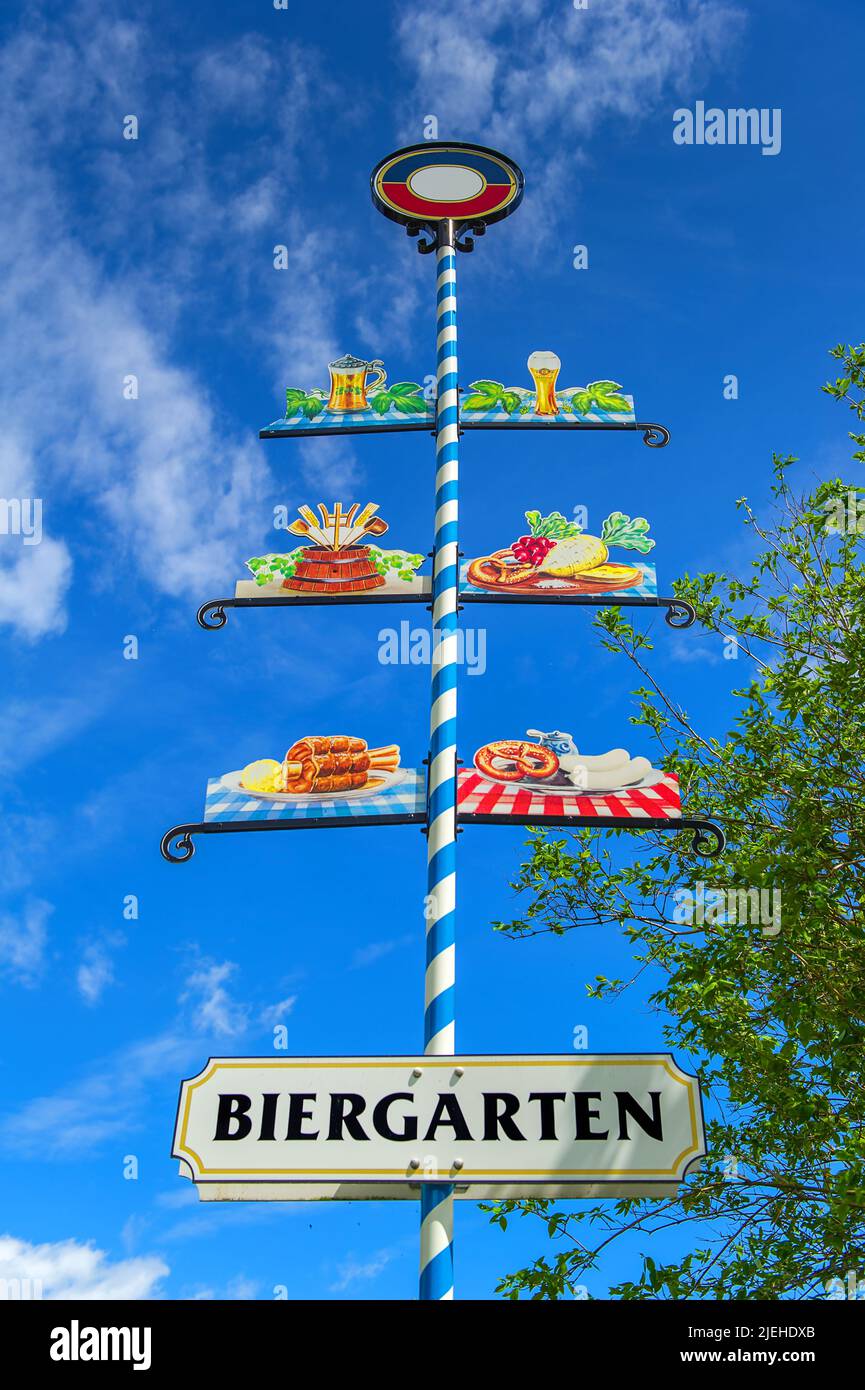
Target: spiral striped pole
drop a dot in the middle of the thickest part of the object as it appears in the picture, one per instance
(437, 1199)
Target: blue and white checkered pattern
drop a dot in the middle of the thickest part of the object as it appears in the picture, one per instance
(407, 797)
(501, 417)
(326, 421)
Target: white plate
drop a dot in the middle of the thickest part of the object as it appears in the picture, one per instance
(231, 780)
(651, 779)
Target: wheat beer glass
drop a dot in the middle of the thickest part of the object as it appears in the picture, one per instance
(545, 368)
(348, 383)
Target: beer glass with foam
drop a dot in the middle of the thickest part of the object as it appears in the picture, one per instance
(545, 368)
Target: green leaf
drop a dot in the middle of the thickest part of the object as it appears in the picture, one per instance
(312, 407)
(410, 405)
(493, 389)
(511, 401)
(605, 388)
(380, 404)
(406, 388)
(620, 530)
(476, 401)
(615, 404)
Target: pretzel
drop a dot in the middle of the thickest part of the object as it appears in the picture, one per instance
(527, 761)
(499, 568)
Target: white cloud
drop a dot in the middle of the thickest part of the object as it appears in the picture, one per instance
(68, 1269)
(377, 950)
(110, 1101)
(22, 941)
(239, 1288)
(102, 1105)
(354, 1271)
(95, 973)
(26, 737)
(536, 80)
(276, 1013)
(213, 1009)
(165, 482)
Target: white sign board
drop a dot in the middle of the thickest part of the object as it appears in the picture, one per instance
(321, 1127)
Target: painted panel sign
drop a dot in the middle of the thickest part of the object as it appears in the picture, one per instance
(556, 558)
(337, 559)
(358, 397)
(490, 402)
(546, 776)
(429, 183)
(322, 777)
(492, 1120)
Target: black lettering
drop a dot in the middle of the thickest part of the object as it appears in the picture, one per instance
(448, 1112)
(584, 1114)
(296, 1116)
(652, 1124)
(381, 1119)
(494, 1118)
(548, 1111)
(268, 1115)
(233, 1108)
(344, 1110)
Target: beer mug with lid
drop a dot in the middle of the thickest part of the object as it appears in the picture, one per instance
(348, 383)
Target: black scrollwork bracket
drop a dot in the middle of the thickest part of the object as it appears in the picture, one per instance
(680, 613)
(177, 847)
(708, 839)
(426, 235)
(177, 844)
(211, 616)
(656, 436)
(463, 241)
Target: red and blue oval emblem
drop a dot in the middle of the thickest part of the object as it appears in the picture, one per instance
(431, 182)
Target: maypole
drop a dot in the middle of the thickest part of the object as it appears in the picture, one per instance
(343, 1128)
(436, 1242)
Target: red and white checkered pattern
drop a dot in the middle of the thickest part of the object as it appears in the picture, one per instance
(480, 797)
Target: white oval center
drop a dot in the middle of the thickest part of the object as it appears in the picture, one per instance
(446, 183)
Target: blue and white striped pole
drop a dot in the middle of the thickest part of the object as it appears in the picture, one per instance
(437, 1199)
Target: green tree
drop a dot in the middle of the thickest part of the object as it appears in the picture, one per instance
(771, 1017)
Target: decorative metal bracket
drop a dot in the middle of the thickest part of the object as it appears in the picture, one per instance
(176, 845)
(465, 242)
(708, 839)
(679, 615)
(427, 232)
(212, 616)
(656, 436)
(464, 234)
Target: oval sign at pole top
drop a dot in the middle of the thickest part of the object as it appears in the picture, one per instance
(446, 180)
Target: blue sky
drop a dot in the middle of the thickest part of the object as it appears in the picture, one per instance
(154, 257)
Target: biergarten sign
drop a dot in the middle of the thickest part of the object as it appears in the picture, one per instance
(523, 1121)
